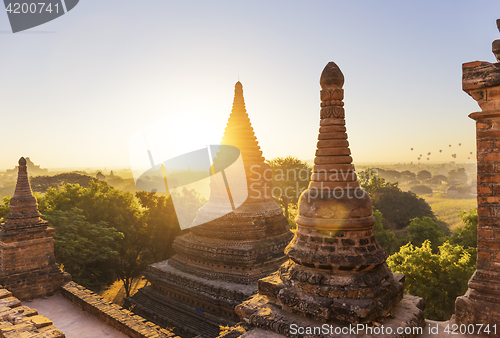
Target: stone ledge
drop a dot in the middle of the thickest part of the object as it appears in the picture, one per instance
(112, 314)
(18, 321)
(264, 316)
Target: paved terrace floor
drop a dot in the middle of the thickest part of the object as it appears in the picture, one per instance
(71, 320)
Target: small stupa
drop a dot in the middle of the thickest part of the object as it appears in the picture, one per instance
(217, 265)
(336, 272)
(27, 263)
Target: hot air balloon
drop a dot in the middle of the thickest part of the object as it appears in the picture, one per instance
(440, 150)
(411, 149)
(450, 145)
(427, 159)
(459, 144)
(468, 158)
(471, 152)
(454, 155)
(428, 153)
(420, 155)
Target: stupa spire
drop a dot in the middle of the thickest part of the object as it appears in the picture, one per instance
(336, 269)
(239, 131)
(332, 154)
(23, 208)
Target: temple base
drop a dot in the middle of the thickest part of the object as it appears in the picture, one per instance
(36, 283)
(407, 317)
(343, 297)
(190, 304)
(481, 303)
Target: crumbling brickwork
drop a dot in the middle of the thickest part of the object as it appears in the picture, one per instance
(18, 321)
(112, 314)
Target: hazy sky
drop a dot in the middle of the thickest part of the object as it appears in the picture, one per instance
(75, 89)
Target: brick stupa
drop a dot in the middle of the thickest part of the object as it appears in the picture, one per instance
(27, 263)
(219, 262)
(481, 303)
(336, 272)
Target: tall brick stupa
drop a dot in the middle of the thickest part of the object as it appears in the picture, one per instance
(27, 263)
(336, 272)
(217, 265)
(481, 303)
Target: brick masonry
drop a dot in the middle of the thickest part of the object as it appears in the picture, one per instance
(481, 303)
(18, 321)
(112, 314)
(27, 263)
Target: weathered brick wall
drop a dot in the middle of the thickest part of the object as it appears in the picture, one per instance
(481, 303)
(27, 263)
(18, 321)
(114, 315)
(488, 191)
(27, 250)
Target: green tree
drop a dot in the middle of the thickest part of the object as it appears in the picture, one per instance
(4, 208)
(397, 206)
(42, 183)
(467, 235)
(161, 224)
(120, 210)
(84, 249)
(400, 207)
(291, 176)
(423, 229)
(459, 175)
(408, 176)
(187, 203)
(385, 237)
(421, 190)
(424, 175)
(370, 181)
(439, 278)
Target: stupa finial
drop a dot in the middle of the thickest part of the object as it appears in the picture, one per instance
(496, 44)
(332, 94)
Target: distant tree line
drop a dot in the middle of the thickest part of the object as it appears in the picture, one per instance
(421, 183)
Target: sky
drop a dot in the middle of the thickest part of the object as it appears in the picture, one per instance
(75, 90)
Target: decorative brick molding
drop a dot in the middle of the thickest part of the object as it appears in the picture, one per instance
(112, 314)
(18, 321)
